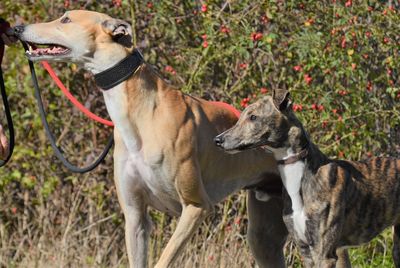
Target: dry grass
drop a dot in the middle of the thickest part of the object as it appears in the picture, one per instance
(70, 229)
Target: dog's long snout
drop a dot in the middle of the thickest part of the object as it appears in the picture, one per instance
(219, 140)
(19, 29)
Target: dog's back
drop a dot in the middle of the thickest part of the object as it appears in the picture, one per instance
(368, 192)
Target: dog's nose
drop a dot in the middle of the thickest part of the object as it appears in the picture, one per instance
(219, 140)
(19, 29)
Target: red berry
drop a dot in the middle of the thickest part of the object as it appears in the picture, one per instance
(256, 36)
(169, 69)
(307, 79)
(386, 40)
(297, 68)
(117, 3)
(369, 86)
(343, 42)
(263, 90)
(224, 29)
(264, 19)
(297, 107)
(205, 44)
(243, 65)
(204, 8)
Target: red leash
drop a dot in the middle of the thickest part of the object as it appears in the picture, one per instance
(74, 101)
(91, 115)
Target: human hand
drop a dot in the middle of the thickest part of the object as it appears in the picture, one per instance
(4, 145)
(6, 33)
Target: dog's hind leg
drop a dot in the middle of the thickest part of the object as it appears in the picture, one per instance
(396, 246)
(195, 207)
(189, 221)
(266, 231)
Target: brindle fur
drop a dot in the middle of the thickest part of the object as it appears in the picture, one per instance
(347, 203)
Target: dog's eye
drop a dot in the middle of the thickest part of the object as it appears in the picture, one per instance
(253, 117)
(65, 20)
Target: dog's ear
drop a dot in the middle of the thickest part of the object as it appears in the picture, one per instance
(119, 30)
(281, 99)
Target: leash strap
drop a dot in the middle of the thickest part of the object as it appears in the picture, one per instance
(119, 72)
(72, 99)
(57, 150)
(3, 27)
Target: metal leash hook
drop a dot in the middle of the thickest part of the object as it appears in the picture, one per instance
(3, 27)
(50, 135)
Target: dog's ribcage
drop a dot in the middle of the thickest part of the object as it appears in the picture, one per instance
(363, 196)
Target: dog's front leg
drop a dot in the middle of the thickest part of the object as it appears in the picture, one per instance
(324, 253)
(130, 197)
(190, 219)
(137, 229)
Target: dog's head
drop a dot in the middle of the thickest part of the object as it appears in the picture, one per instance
(93, 39)
(269, 122)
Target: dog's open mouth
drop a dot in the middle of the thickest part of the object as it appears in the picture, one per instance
(38, 50)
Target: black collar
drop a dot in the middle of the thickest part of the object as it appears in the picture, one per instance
(119, 72)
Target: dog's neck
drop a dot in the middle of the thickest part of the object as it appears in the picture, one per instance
(127, 101)
(102, 60)
(299, 147)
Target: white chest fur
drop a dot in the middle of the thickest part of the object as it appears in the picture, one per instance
(117, 107)
(291, 177)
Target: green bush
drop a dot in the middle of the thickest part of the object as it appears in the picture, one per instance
(339, 59)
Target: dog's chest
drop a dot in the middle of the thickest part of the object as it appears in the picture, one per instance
(148, 173)
(147, 170)
(291, 177)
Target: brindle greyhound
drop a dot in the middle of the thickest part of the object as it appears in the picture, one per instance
(329, 204)
(164, 154)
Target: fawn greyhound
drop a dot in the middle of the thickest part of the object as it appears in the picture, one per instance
(328, 204)
(164, 155)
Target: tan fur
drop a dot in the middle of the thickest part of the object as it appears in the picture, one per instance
(164, 155)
